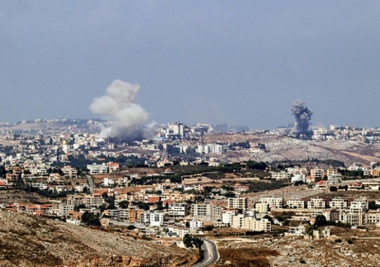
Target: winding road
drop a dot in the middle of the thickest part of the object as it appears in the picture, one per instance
(211, 254)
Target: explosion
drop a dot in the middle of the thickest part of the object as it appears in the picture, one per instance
(120, 105)
(303, 115)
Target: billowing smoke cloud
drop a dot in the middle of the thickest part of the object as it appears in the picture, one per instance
(119, 105)
(303, 115)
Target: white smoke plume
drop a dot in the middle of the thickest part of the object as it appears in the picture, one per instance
(119, 105)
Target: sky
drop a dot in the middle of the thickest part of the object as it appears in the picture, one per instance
(234, 62)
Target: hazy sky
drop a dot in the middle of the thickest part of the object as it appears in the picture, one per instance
(238, 62)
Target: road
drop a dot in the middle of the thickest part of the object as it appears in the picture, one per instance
(211, 254)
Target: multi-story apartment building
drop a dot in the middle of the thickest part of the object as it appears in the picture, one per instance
(359, 204)
(250, 223)
(237, 203)
(93, 200)
(316, 203)
(372, 217)
(273, 202)
(338, 203)
(317, 174)
(227, 217)
(97, 168)
(331, 171)
(237, 221)
(206, 211)
(282, 175)
(195, 224)
(353, 218)
(295, 203)
(296, 170)
(331, 215)
(177, 210)
(261, 207)
(171, 196)
(75, 200)
(69, 171)
(152, 218)
(179, 231)
(335, 178)
(134, 214)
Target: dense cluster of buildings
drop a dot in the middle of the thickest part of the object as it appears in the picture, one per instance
(81, 173)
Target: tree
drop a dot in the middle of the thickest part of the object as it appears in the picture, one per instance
(188, 241)
(80, 206)
(229, 194)
(208, 227)
(320, 220)
(197, 242)
(90, 219)
(124, 204)
(333, 189)
(131, 227)
(268, 218)
(373, 206)
(159, 205)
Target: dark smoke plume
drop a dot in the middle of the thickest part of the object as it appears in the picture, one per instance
(120, 105)
(303, 115)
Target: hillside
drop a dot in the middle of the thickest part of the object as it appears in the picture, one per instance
(279, 148)
(34, 241)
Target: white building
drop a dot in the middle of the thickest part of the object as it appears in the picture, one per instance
(338, 203)
(251, 224)
(353, 218)
(316, 203)
(295, 203)
(317, 173)
(175, 130)
(152, 218)
(227, 217)
(108, 182)
(210, 149)
(237, 203)
(282, 175)
(179, 231)
(273, 202)
(297, 230)
(195, 224)
(261, 207)
(177, 210)
(298, 178)
(98, 168)
(360, 204)
(296, 170)
(335, 178)
(206, 211)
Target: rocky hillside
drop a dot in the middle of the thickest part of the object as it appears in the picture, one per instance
(345, 248)
(34, 241)
(279, 148)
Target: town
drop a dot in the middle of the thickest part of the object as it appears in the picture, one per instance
(179, 184)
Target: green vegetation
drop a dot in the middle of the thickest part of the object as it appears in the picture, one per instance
(190, 241)
(124, 204)
(320, 220)
(90, 219)
(373, 206)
